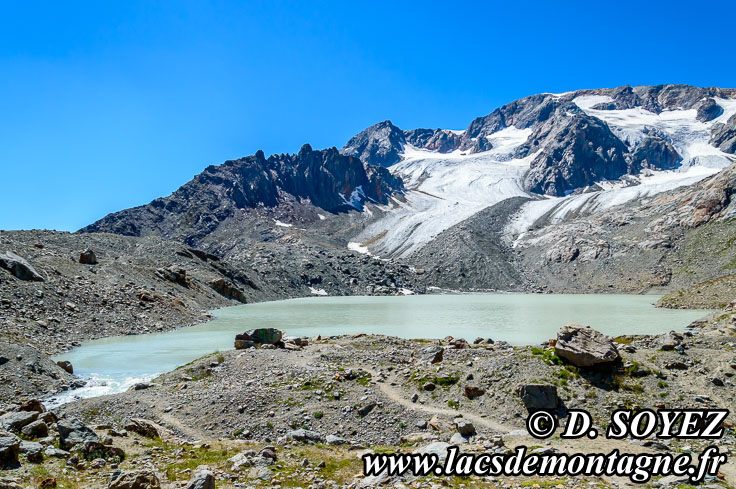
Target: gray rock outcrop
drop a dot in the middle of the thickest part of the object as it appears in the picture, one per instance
(539, 396)
(585, 347)
(9, 449)
(19, 267)
(140, 479)
(203, 479)
(72, 432)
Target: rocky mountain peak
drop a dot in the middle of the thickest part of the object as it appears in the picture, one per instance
(323, 178)
(575, 147)
(379, 144)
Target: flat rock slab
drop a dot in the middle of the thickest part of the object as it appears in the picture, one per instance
(583, 346)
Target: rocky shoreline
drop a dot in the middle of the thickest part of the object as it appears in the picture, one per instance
(300, 415)
(301, 411)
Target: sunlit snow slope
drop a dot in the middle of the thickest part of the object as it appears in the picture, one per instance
(688, 135)
(445, 189)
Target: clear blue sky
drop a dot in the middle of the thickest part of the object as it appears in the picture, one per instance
(107, 105)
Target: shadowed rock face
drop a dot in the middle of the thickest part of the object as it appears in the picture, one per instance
(576, 150)
(724, 136)
(379, 144)
(708, 110)
(655, 153)
(329, 180)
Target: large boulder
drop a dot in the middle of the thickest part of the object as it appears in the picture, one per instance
(66, 365)
(16, 420)
(305, 436)
(32, 405)
(140, 479)
(143, 427)
(36, 429)
(438, 448)
(9, 448)
(669, 341)
(260, 336)
(19, 267)
(228, 289)
(32, 450)
(204, 479)
(174, 274)
(432, 354)
(539, 396)
(464, 427)
(585, 347)
(88, 257)
(471, 391)
(72, 432)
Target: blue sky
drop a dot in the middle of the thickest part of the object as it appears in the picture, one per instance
(107, 105)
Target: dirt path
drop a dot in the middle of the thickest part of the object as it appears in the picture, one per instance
(175, 425)
(584, 445)
(399, 397)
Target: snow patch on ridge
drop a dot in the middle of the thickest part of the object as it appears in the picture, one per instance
(585, 102)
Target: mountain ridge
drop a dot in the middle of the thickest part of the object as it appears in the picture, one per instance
(468, 200)
(325, 178)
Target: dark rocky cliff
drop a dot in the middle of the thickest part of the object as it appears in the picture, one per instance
(324, 178)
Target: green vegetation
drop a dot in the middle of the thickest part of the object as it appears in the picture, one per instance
(548, 356)
(623, 340)
(438, 380)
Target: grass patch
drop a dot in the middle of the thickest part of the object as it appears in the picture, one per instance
(548, 356)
